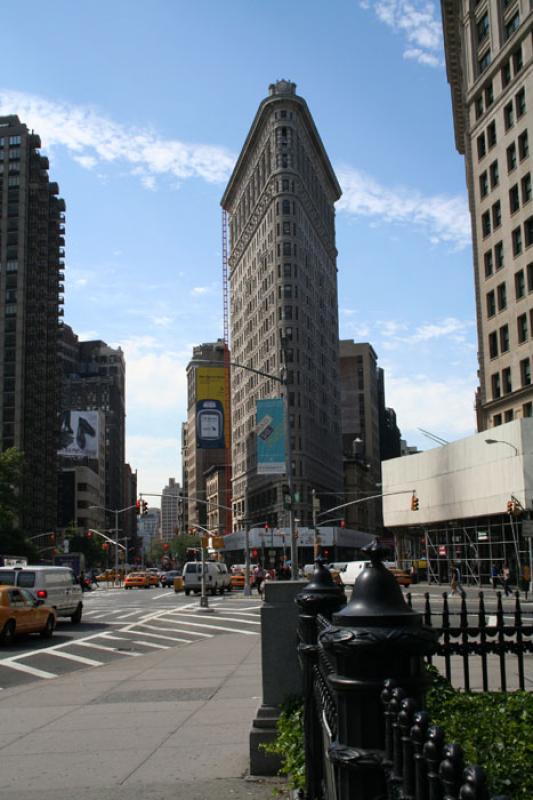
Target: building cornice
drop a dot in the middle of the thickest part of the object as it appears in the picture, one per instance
(451, 23)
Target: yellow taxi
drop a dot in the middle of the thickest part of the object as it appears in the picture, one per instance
(237, 580)
(402, 576)
(137, 580)
(107, 575)
(153, 578)
(20, 613)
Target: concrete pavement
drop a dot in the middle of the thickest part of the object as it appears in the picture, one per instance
(170, 724)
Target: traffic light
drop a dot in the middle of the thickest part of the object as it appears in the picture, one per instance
(342, 523)
(254, 553)
(144, 505)
(510, 507)
(287, 499)
(414, 503)
(89, 534)
(52, 538)
(105, 546)
(165, 546)
(138, 508)
(267, 526)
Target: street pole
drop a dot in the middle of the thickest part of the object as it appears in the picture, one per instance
(288, 469)
(316, 506)
(247, 590)
(116, 546)
(204, 602)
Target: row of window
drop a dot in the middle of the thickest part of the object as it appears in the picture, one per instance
(11, 141)
(502, 382)
(511, 25)
(508, 416)
(512, 112)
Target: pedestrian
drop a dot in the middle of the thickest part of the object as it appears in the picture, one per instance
(526, 579)
(456, 580)
(259, 577)
(494, 576)
(506, 578)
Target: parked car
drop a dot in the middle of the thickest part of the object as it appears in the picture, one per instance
(137, 580)
(21, 613)
(57, 586)
(153, 578)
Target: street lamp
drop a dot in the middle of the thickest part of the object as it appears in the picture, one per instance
(502, 441)
(116, 512)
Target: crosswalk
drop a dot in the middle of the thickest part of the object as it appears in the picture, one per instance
(124, 632)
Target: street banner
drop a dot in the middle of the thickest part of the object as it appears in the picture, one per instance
(211, 419)
(270, 430)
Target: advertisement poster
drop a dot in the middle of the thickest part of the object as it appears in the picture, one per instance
(270, 432)
(210, 411)
(78, 436)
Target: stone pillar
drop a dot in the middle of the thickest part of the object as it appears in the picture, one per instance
(281, 674)
(375, 637)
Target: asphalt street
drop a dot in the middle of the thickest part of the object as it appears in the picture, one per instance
(119, 624)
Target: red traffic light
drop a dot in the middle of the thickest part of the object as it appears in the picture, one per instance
(254, 553)
(106, 545)
(89, 534)
(166, 546)
(343, 523)
(138, 507)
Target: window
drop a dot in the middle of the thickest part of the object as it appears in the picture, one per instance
(530, 277)
(494, 174)
(286, 207)
(496, 420)
(504, 338)
(520, 103)
(514, 198)
(509, 415)
(489, 95)
(526, 188)
(528, 231)
(519, 284)
(517, 241)
(479, 106)
(488, 264)
(506, 73)
(491, 134)
(491, 304)
(512, 25)
(518, 61)
(484, 62)
(496, 215)
(14, 140)
(483, 28)
(481, 146)
(527, 409)
(523, 146)
(525, 372)
(484, 184)
(507, 384)
(485, 223)
(501, 291)
(521, 327)
(496, 389)
(511, 156)
(493, 345)
(499, 255)
(508, 116)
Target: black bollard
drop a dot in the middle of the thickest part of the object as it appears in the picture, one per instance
(375, 637)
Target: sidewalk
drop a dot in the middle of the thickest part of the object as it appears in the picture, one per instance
(172, 724)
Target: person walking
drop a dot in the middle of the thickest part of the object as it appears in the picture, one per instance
(455, 582)
(506, 578)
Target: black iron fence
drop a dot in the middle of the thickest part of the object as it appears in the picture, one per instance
(475, 636)
(367, 735)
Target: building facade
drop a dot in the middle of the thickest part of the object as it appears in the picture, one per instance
(283, 305)
(170, 510)
(149, 532)
(94, 379)
(32, 218)
(489, 59)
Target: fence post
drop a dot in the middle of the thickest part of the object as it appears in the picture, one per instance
(320, 596)
(375, 637)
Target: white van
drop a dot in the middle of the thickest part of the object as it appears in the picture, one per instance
(55, 586)
(217, 577)
(352, 572)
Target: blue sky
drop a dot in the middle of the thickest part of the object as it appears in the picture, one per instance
(143, 108)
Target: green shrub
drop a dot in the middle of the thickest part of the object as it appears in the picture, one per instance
(495, 730)
(289, 744)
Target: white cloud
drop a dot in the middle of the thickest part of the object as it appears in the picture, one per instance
(156, 380)
(445, 405)
(396, 333)
(94, 139)
(200, 290)
(418, 22)
(442, 218)
(160, 458)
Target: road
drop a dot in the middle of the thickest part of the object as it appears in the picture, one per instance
(125, 624)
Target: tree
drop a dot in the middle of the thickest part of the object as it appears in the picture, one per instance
(12, 540)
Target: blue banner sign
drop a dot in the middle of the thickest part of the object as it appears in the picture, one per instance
(270, 432)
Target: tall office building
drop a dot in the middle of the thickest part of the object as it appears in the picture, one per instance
(94, 378)
(169, 510)
(31, 263)
(489, 58)
(203, 383)
(283, 304)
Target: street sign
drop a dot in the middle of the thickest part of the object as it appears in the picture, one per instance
(217, 542)
(482, 536)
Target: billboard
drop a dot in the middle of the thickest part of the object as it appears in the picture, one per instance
(78, 434)
(211, 417)
(270, 430)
